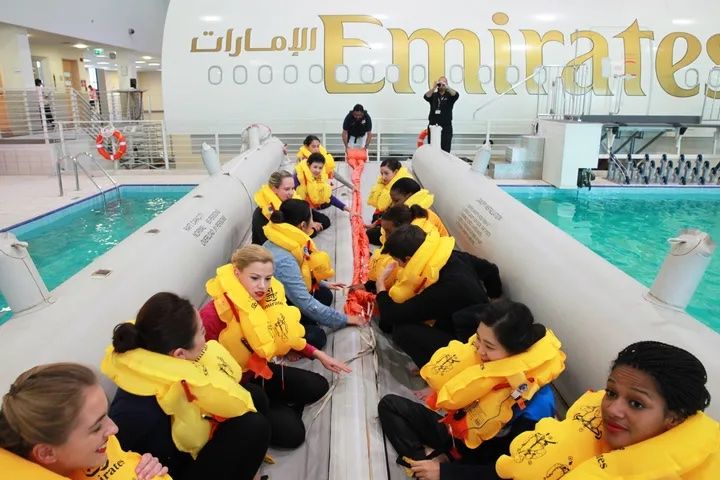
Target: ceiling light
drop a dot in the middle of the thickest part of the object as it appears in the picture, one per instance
(140, 61)
(103, 63)
(211, 18)
(147, 57)
(80, 45)
(154, 64)
(683, 21)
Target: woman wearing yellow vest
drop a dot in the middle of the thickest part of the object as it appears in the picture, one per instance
(648, 424)
(179, 396)
(247, 287)
(312, 184)
(391, 170)
(435, 282)
(311, 145)
(280, 187)
(507, 343)
(407, 191)
(303, 269)
(54, 425)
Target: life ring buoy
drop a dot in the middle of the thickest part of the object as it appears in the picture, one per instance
(122, 146)
(421, 138)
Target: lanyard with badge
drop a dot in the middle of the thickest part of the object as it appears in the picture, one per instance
(441, 98)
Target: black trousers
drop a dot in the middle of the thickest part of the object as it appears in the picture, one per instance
(445, 137)
(314, 334)
(420, 341)
(235, 452)
(282, 400)
(410, 427)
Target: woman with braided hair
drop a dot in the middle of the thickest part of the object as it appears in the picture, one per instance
(648, 424)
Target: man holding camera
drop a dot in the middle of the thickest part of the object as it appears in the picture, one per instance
(441, 99)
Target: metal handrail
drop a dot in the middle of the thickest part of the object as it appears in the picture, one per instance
(116, 186)
(512, 88)
(87, 174)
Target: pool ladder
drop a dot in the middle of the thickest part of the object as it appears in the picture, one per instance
(77, 165)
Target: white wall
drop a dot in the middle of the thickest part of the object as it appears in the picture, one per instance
(53, 66)
(152, 84)
(103, 21)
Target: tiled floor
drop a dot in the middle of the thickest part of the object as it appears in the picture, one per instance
(25, 196)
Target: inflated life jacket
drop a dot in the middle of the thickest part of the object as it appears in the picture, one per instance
(423, 268)
(254, 332)
(315, 191)
(574, 449)
(425, 199)
(268, 201)
(380, 192)
(196, 394)
(120, 465)
(486, 392)
(329, 167)
(314, 264)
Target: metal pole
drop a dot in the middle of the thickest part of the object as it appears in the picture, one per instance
(164, 143)
(378, 142)
(59, 175)
(217, 145)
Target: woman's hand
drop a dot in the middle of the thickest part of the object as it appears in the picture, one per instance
(386, 273)
(356, 286)
(336, 285)
(149, 468)
(330, 363)
(357, 320)
(425, 469)
(317, 226)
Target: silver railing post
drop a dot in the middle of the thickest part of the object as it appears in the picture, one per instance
(164, 145)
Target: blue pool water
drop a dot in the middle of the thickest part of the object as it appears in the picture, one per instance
(630, 226)
(64, 242)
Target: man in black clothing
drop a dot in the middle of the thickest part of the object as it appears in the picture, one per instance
(441, 99)
(357, 128)
(464, 281)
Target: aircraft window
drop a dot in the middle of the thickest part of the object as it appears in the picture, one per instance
(265, 74)
(392, 73)
(485, 74)
(512, 74)
(456, 74)
(342, 73)
(240, 74)
(694, 75)
(418, 73)
(367, 73)
(316, 73)
(290, 74)
(215, 75)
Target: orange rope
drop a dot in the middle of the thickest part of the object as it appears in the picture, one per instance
(359, 302)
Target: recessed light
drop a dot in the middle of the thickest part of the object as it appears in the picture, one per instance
(147, 57)
(140, 61)
(154, 64)
(211, 18)
(683, 21)
(80, 45)
(103, 63)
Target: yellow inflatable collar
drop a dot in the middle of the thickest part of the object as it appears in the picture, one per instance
(329, 167)
(193, 393)
(423, 268)
(314, 264)
(315, 191)
(120, 465)
(269, 328)
(380, 193)
(574, 450)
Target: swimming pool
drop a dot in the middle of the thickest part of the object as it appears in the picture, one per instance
(629, 227)
(66, 240)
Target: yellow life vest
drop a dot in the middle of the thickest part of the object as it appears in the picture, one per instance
(120, 465)
(378, 263)
(268, 201)
(265, 329)
(423, 268)
(314, 264)
(380, 192)
(196, 394)
(425, 199)
(329, 167)
(315, 191)
(487, 391)
(574, 449)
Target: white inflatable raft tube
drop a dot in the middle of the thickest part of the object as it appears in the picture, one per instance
(593, 307)
(177, 251)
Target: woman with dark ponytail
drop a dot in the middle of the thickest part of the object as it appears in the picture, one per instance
(648, 423)
(423, 440)
(179, 396)
(303, 269)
